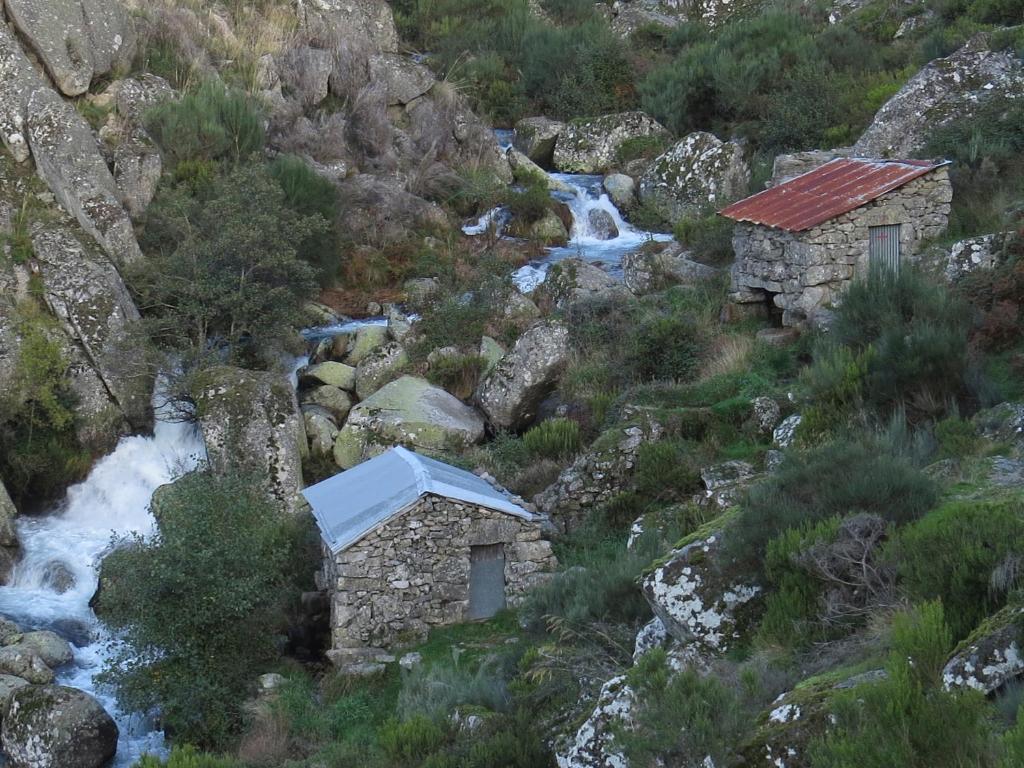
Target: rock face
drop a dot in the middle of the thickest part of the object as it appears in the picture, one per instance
(971, 255)
(598, 475)
(621, 190)
(76, 40)
(572, 281)
(379, 367)
(51, 726)
(512, 392)
(655, 267)
(381, 210)
(695, 594)
(535, 137)
(10, 549)
(696, 174)
(725, 483)
(590, 146)
(945, 90)
(409, 411)
(251, 422)
(356, 21)
(991, 656)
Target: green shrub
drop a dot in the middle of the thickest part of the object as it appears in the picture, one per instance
(664, 347)
(529, 203)
(309, 194)
(209, 123)
(411, 741)
(553, 439)
(667, 470)
(40, 453)
(852, 475)
(197, 604)
(709, 236)
(898, 342)
(435, 692)
(907, 719)
(682, 719)
(956, 437)
(511, 743)
(952, 554)
(793, 606)
(640, 147)
(186, 757)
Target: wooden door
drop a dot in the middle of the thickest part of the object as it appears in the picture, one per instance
(486, 580)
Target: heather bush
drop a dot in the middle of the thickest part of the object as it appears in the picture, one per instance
(955, 554)
(557, 438)
(310, 194)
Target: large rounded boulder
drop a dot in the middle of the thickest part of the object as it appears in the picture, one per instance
(52, 726)
(591, 146)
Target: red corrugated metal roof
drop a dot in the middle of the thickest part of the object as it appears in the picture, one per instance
(835, 188)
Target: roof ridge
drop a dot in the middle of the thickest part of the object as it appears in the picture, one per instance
(423, 484)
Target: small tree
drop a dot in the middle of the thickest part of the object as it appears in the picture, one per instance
(222, 266)
(199, 604)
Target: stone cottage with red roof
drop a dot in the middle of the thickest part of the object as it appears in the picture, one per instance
(798, 245)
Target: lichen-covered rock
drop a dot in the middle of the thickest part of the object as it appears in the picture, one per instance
(593, 745)
(572, 281)
(535, 137)
(8, 685)
(601, 224)
(971, 255)
(321, 429)
(379, 367)
(1003, 423)
(785, 433)
(724, 483)
(10, 548)
(1006, 472)
(25, 663)
(76, 40)
(991, 656)
(18, 80)
(697, 173)
(53, 649)
(548, 230)
(767, 414)
(412, 412)
(335, 400)
(700, 595)
(652, 635)
(656, 266)
(590, 146)
(250, 421)
(597, 475)
(491, 353)
(403, 78)
(330, 372)
(368, 338)
(512, 392)
(945, 90)
(52, 726)
(357, 22)
(69, 161)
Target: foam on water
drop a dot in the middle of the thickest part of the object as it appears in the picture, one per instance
(113, 501)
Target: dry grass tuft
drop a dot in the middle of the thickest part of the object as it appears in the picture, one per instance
(728, 353)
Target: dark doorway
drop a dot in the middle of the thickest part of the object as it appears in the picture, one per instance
(486, 580)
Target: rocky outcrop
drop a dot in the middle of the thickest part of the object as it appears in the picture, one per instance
(379, 367)
(409, 411)
(971, 255)
(594, 743)
(379, 209)
(572, 281)
(699, 594)
(991, 656)
(251, 422)
(512, 392)
(789, 166)
(52, 726)
(535, 137)
(590, 146)
(597, 475)
(698, 173)
(76, 40)
(725, 483)
(357, 22)
(655, 266)
(403, 79)
(10, 549)
(945, 90)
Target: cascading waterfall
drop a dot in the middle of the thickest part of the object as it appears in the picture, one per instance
(62, 550)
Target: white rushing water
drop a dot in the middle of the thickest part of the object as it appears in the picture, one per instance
(585, 194)
(112, 501)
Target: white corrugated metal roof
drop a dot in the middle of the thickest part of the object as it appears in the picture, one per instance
(353, 503)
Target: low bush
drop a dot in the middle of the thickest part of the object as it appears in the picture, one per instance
(208, 123)
(458, 374)
(683, 719)
(410, 742)
(709, 236)
(186, 757)
(956, 437)
(529, 203)
(954, 553)
(664, 347)
(907, 719)
(309, 194)
(435, 692)
(852, 475)
(667, 470)
(557, 438)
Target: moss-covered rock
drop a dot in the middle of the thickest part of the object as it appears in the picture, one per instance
(991, 655)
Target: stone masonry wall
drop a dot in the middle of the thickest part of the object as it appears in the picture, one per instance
(412, 573)
(802, 272)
